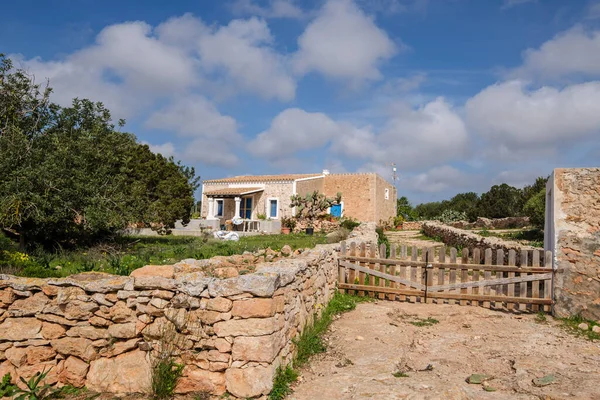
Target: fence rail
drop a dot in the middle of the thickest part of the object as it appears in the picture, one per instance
(439, 275)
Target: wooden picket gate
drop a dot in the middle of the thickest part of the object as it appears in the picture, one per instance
(477, 278)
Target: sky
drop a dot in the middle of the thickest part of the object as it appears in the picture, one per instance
(459, 94)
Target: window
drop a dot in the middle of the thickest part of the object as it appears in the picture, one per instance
(219, 208)
(246, 208)
(387, 193)
(273, 208)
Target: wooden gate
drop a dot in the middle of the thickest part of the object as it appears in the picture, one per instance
(491, 279)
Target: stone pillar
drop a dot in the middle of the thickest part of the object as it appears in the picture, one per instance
(211, 208)
(237, 206)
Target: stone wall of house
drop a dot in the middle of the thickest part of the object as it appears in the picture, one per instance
(308, 186)
(105, 332)
(358, 194)
(385, 206)
(573, 233)
(412, 225)
(461, 238)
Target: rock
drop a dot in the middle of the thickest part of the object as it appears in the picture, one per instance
(120, 348)
(248, 327)
(56, 319)
(79, 347)
(101, 299)
(88, 332)
(596, 329)
(17, 356)
(259, 348)
(36, 355)
(478, 379)
(192, 284)
(259, 284)
(544, 381)
(68, 294)
(286, 251)
(360, 338)
(32, 342)
(222, 345)
(225, 272)
(122, 331)
(125, 373)
(154, 282)
(202, 381)
(28, 371)
(206, 317)
(249, 382)
(220, 304)
(28, 306)
(155, 330)
(7, 296)
(74, 372)
(259, 308)
(99, 321)
(79, 310)
(583, 326)
(16, 329)
(52, 331)
(121, 313)
(159, 303)
(165, 271)
(8, 368)
(162, 294)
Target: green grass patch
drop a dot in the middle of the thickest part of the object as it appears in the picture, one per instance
(571, 324)
(310, 341)
(399, 374)
(424, 322)
(540, 318)
(128, 253)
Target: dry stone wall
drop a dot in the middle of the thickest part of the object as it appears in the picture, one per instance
(105, 332)
(460, 238)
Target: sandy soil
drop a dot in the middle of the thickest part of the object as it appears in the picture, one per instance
(368, 345)
(410, 238)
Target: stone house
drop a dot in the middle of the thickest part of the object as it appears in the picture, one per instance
(365, 196)
(572, 233)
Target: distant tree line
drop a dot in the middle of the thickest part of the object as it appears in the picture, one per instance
(69, 176)
(499, 202)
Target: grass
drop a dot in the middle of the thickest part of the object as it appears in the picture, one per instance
(540, 318)
(399, 374)
(424, 322)
(571, 324)
(310, 342)
(128, 253)
(165, 375)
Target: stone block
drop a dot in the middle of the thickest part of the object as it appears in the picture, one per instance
(257, 348)
(125, 373)
(220, 304)
(248, 327)
(249, 382)
(16, 329)
(74, 372)
(257, 308)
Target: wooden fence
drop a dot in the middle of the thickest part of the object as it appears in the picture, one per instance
(440, 275)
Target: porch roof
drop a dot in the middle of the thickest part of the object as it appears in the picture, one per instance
(232, 192)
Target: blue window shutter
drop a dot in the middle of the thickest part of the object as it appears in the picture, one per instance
(220, 208)
(273, 209)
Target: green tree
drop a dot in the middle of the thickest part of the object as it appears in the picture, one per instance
(70, 177)
(465, 203)
(405, 209)
(535, 209)
(425, 211)
(501, 201)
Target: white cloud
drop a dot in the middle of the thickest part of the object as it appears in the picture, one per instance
(242, 48)
(394, 6)
(274, 9)
(593, 11)
(437, 179)
(413, 138)
(294, 130)
(575, 51)
(344, 43)
(213, 136)
(166, 149)
(511, 115)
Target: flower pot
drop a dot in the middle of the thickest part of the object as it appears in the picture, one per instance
(399, 227)
(285, 230)
(310, 231)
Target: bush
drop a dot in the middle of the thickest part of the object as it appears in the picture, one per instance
(349, 223)
(535, 209)
(338, 235)
(449, 216)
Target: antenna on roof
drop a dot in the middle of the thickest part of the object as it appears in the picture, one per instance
(394, 173)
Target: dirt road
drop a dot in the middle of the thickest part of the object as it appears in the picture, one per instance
(368, 345)
(410, 238)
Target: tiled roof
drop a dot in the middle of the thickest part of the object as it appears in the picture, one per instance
(233, 191)
(262, 178)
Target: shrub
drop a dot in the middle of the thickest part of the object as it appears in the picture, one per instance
(165, 375)
(449, 216)
(349, 223)
(338, 235)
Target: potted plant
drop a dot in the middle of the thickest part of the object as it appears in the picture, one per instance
(287, 225)
(398, 222)
(312, 206)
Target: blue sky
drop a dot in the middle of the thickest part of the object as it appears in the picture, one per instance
(460, 94)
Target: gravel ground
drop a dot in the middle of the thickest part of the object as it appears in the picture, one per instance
(368, 345)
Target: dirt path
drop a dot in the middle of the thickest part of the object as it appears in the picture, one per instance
(410, 238)
(369, 344)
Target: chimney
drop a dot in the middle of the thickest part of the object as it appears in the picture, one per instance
(325, 172)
